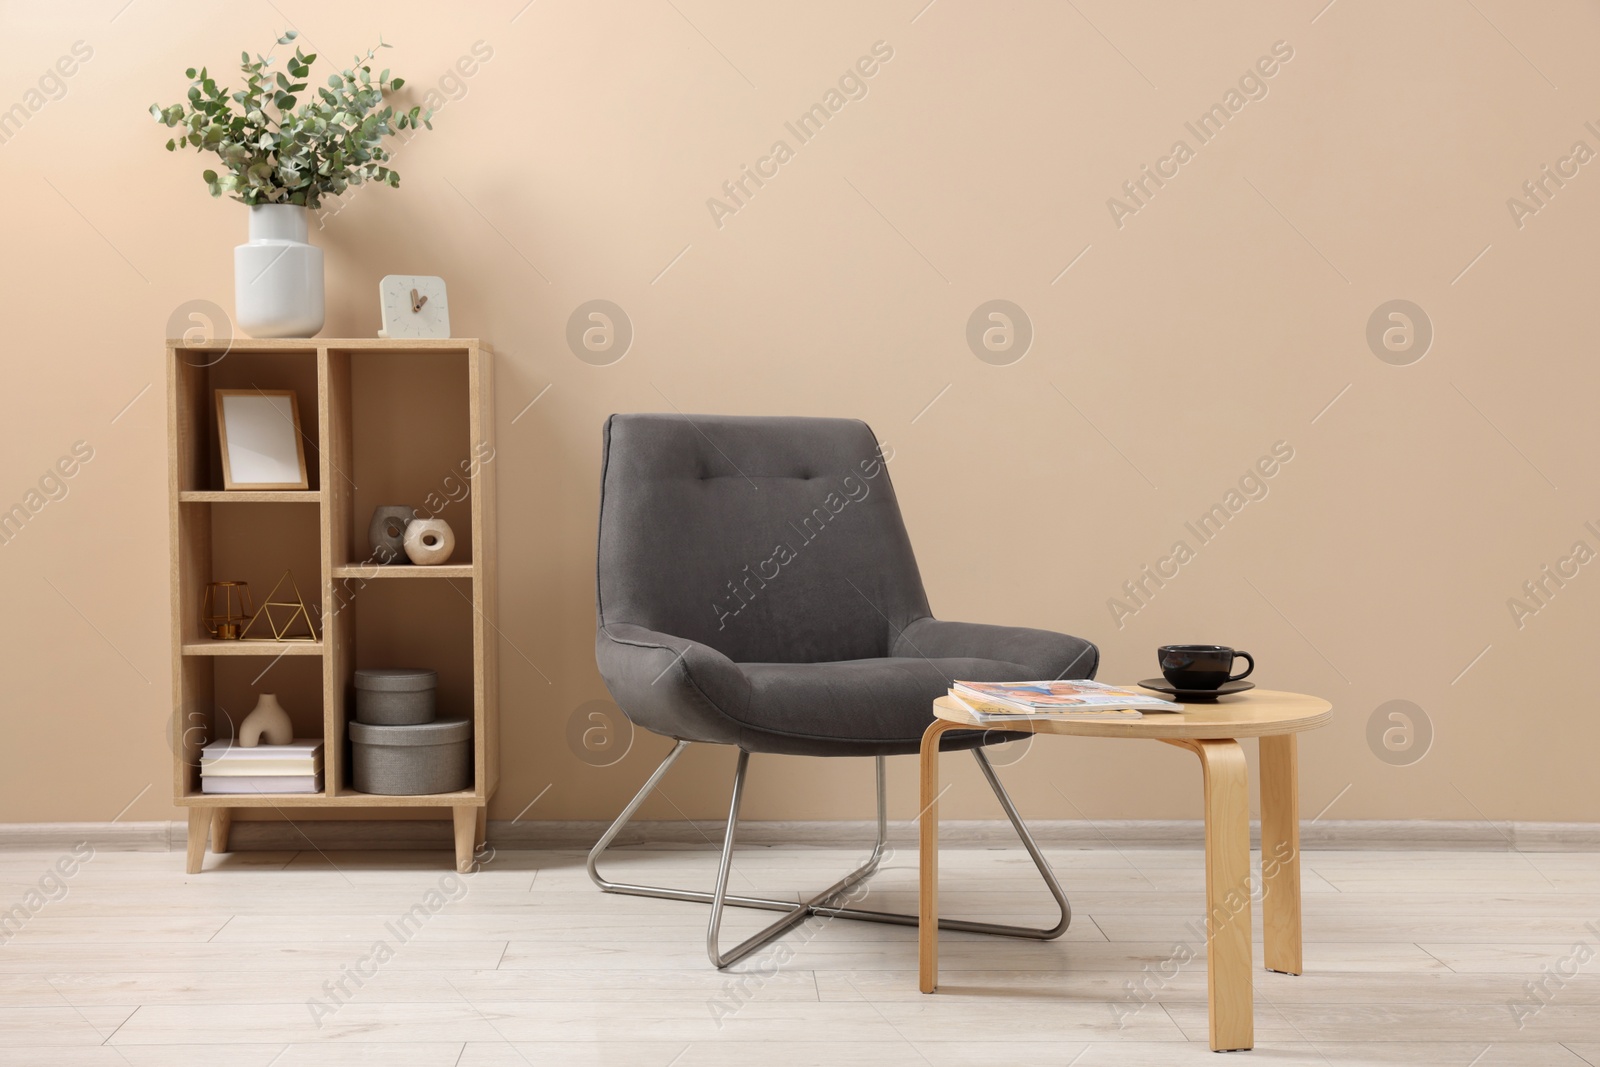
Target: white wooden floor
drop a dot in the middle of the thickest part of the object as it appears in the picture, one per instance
(1412, 958)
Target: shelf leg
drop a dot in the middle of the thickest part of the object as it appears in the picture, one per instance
(221, 823)
(199, 826)
(481, 831)
(466, 819)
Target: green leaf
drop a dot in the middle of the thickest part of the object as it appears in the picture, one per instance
(397, 83)
(210, 176)
(189, 73)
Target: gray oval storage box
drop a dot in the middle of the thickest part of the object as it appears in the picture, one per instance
(396, 696)
(404, 761)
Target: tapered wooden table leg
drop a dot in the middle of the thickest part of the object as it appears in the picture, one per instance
(221, 823)
(1280, 854)
(928, 856)
(480, 835)
(466, 825)
(199, 826)
(1229, 992)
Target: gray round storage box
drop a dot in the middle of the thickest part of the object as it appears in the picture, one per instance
(396, 696)
(404, 761)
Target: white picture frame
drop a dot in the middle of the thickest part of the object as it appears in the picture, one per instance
(258, 431)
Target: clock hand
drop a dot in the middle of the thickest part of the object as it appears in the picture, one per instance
(417, 302)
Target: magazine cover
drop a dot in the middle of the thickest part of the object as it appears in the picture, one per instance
(989, 711)
(1068, 694)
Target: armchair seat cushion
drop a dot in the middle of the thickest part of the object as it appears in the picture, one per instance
(859, 707)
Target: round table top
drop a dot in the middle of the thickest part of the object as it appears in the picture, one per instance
(1257, 713)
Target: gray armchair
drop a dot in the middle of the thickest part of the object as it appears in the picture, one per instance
(756, 588)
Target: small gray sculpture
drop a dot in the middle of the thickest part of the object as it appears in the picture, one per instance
(387, 532)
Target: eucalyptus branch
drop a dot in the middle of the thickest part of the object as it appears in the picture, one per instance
(280, 144)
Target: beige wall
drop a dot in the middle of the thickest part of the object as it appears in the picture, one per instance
(1221, 317)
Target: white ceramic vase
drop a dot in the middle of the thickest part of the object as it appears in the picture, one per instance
(429, 542)
(277, 276)
(268, 723)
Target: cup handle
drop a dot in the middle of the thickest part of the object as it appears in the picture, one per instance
(1247, 670)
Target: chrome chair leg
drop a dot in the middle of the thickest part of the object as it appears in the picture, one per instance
(824, 903)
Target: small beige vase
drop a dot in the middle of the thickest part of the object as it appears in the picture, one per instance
(429, 542)
(268, 722)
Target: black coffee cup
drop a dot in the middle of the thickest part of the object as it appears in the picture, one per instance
(1200, 666)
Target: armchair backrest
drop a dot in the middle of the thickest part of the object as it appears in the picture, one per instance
(771, 539)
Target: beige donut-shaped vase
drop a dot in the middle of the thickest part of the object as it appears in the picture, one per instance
(429, 542)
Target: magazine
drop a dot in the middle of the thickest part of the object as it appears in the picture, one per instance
(1077, 697)
(984, 711)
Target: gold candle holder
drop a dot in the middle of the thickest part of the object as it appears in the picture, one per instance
(226, 609)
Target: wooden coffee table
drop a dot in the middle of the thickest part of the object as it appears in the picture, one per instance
(1211, 732)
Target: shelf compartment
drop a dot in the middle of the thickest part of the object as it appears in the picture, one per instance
(410, 444)
(233, 540)
(198, 373)
(218, 691)
(386, 632)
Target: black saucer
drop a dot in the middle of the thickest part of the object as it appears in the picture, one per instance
(1195, 696)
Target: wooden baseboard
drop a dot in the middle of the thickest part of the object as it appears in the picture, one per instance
(114, 836)
(1323, 835)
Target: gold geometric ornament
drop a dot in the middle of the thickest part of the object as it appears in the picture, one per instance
(296, 610)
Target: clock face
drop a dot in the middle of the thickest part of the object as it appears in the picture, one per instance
(414, 305)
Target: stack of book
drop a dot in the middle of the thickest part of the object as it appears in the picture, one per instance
(1076, 699)
(293, 768)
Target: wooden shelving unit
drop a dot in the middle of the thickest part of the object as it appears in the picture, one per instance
(385, 422)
